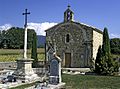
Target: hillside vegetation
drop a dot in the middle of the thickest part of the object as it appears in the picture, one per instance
(115, 46)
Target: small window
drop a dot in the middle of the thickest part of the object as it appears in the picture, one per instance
(67, 38)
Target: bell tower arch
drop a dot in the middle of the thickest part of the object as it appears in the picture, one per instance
(68, 15)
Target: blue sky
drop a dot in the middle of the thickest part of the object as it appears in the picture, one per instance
(46, 13)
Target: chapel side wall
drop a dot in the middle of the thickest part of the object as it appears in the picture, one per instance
(97, 41)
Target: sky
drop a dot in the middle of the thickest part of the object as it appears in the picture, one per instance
(47, 13)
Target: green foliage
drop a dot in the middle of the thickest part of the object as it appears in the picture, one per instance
(98, 61)
(106, 43)
(30, 37)
(14, 38)
(104, 63)
(116, 66)
(107, 65)
(34, 50)
(115, 45)
(0, 37)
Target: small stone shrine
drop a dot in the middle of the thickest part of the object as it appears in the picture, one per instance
(55, 70)
(55, 80)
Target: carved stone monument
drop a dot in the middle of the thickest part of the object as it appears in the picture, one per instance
(24, 65)
(55, 70)
(54, 81)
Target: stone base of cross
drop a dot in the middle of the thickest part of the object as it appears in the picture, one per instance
(24, 70)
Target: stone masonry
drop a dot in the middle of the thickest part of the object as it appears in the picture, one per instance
(75, 43)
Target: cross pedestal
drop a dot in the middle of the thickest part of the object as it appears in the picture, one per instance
(24, 70)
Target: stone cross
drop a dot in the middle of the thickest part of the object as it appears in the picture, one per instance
(25, 37)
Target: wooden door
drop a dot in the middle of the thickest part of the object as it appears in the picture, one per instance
(67, 60)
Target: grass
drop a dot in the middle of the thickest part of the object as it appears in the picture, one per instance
(86, 82)
(91, 82)
(13, 54)
(24, 86)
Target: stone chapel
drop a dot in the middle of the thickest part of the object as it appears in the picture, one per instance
(74, 42)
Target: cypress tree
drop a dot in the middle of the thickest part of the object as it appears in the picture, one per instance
(106, 43)
(108, 66)
(98, 60)
(104, 63)
(34, 50)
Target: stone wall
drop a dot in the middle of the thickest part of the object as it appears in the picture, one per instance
(8, 65)
(14, 64)
(83, 42)
(97, 41)
(39, 71)
(78, 36)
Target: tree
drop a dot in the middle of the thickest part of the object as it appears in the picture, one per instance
(30, 37)
(3, 39)
(106, 43)
(0, 37)
(98, 61)
(104, 63)
(13, 38)
(115, 45)
(34, 50)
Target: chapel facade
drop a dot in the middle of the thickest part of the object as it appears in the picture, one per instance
(75, 43)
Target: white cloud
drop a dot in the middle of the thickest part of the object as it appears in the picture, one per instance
(114, 35)
(5, 27)
(40, 27)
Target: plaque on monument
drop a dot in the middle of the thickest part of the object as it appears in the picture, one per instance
(54, 67)
(54, 72)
